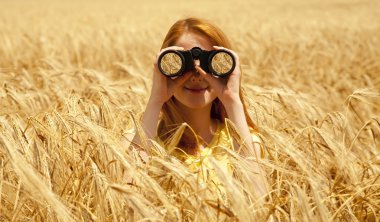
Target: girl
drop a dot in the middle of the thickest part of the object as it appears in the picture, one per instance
(200, 101)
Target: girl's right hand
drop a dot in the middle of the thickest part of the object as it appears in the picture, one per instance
(163, 88)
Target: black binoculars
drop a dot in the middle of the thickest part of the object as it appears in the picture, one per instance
(173, 63)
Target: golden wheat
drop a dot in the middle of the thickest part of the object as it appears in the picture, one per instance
(75, 76)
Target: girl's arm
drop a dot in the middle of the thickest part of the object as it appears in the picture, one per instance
(162, 90)
(250, 148)
(150, 117)
(228, 93)
(235, 112)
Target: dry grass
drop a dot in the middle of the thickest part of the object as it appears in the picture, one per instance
(74, 77)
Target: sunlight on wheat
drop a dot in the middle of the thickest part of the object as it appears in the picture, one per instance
(75, 77)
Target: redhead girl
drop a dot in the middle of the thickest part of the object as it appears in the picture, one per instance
(200, 101)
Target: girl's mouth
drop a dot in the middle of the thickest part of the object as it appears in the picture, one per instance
(196, 89)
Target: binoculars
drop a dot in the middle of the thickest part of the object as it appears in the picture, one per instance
(173, 63)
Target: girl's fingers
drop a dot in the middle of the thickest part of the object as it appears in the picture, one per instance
(220, 47)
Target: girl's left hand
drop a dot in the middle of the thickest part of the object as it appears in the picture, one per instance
(227, 88)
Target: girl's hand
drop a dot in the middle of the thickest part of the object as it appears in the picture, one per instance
(227, 88)
(163, 87)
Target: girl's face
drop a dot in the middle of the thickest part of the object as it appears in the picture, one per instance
(196, 92)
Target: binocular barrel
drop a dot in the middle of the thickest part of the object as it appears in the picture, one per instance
(173, 63)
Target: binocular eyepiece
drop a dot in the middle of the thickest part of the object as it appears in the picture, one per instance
(173, 63)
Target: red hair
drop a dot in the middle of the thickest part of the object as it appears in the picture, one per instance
(198, 26)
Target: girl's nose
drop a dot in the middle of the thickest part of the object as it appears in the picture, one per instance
(196, 77)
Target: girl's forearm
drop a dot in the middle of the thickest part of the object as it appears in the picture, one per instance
(150, 118)
(235, 112)
(148, 123)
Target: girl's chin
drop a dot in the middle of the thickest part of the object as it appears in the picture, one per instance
(195, 99)
(193, 103)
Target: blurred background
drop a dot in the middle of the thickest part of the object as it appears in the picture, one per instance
(281, 43)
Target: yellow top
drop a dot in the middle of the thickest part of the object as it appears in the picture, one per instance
(201, 163)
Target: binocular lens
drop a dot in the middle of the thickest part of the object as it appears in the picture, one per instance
(222, 63)
(173, 63)
(170, 64)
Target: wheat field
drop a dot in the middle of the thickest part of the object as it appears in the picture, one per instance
(76, 75)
